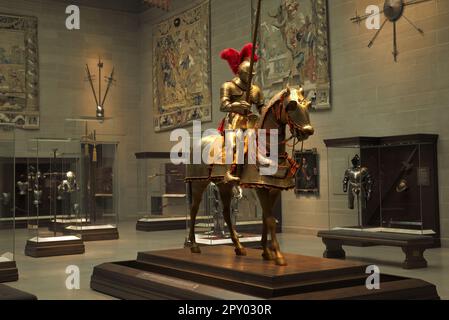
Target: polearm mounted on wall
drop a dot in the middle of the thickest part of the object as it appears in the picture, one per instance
(90, 78)
(253, 53)
(98, 99)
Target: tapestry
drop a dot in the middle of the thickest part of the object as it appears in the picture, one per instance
(181, 69)
(294, 48)
(19, 71)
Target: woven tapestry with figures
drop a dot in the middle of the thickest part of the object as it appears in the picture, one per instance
(181, 69)
(19, 71)
(294, 48)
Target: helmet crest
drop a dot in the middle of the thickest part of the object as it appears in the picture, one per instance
(235, 58)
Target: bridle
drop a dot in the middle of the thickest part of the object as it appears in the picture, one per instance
(283, 113)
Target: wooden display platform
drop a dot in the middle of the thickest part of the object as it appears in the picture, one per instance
(54, 246)
(61, 224)
(181, 223)
(413, 246)
(217, 273)
(8, 293)
(246, 239)
(164, 224)
(95, 233)
(8, 271)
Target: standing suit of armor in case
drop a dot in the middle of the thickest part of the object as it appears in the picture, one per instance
(237, 195)
(233, 98)
(358, 183)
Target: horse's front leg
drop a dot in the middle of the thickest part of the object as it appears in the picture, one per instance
(267, 199)
(266, 254)
(226, 197)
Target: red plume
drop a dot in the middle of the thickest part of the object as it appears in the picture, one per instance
(246, 53)
(235, 58)
(232, 56)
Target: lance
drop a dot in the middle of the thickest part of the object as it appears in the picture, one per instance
(110, 80)
(89, 77)
(253, 53)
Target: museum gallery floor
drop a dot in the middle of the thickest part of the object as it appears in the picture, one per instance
(45, 277)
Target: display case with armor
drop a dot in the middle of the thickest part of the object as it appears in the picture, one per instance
(245, 214)
(162, 197)
(99, 190)
(164, 202)
(383, 191)
(54, 177)
(8, 269)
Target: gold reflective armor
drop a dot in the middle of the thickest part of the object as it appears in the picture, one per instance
(233, 94)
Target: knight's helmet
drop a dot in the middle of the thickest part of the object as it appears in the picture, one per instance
(239, 62)
(356, 161)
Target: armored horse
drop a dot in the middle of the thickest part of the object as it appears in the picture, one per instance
(288, 109)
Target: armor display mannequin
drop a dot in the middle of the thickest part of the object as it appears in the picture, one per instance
(233, 96)
(6, 199)
(23, 187)
(69, 184)
(219, 223)
(358, 183)
(218, 229)
(35, 181)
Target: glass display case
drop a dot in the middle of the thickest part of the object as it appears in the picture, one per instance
(164, 203)
(385, 184)
(246, 216)
(162, 197)
(383, 191)
(8, 269)
(99, 189)
(54, 177)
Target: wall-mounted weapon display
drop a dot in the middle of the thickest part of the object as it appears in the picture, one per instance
(100, 99)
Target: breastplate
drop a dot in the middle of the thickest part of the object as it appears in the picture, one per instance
(356, 179)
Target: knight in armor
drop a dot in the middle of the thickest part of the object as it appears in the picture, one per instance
(358, 183)
(233, 98)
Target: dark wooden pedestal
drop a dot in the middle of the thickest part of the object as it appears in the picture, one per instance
(8, 271)
(8, 293)
(163, 224)
(60, 226)
(39, 249)
(95, 233)
(217, 273)
(150, 225)
(412, 245)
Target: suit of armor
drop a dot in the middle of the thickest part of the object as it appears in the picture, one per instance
(233, 95)
(233, 101)
(358, 184)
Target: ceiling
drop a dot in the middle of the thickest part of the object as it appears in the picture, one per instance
(132, 6)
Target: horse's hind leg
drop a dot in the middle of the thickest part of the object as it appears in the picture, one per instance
(197, 190)
(226, 197)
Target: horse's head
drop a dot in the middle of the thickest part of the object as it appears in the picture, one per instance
(296, 113)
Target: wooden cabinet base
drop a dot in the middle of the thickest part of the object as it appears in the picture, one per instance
(53, 248)
(217, 273)
(94, 233)
(165, 224)
(100, 234)
(8, 271)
